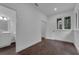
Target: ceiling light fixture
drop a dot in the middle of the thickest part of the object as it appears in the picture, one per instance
(36, 4)
(4, 18)
(55, 9)
(1, 17)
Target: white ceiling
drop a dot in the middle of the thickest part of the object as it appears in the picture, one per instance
(48, 8)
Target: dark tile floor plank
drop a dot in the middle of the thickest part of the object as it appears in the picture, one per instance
(10, 50)
(50, 47)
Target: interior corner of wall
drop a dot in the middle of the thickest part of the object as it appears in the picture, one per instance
(77, 47)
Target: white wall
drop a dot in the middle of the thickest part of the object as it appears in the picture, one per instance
(76, 39)
(63, 35)
(76, 31)
(28, 26)
(43, 26)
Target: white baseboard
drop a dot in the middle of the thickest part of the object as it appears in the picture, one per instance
(52, 38)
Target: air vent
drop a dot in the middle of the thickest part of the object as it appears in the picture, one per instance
(36, 4)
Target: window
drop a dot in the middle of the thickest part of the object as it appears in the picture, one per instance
(67, 22)
(64, 23)
(59, 23)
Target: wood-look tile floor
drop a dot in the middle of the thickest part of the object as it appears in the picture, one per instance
(10, 50)
(50, 47)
